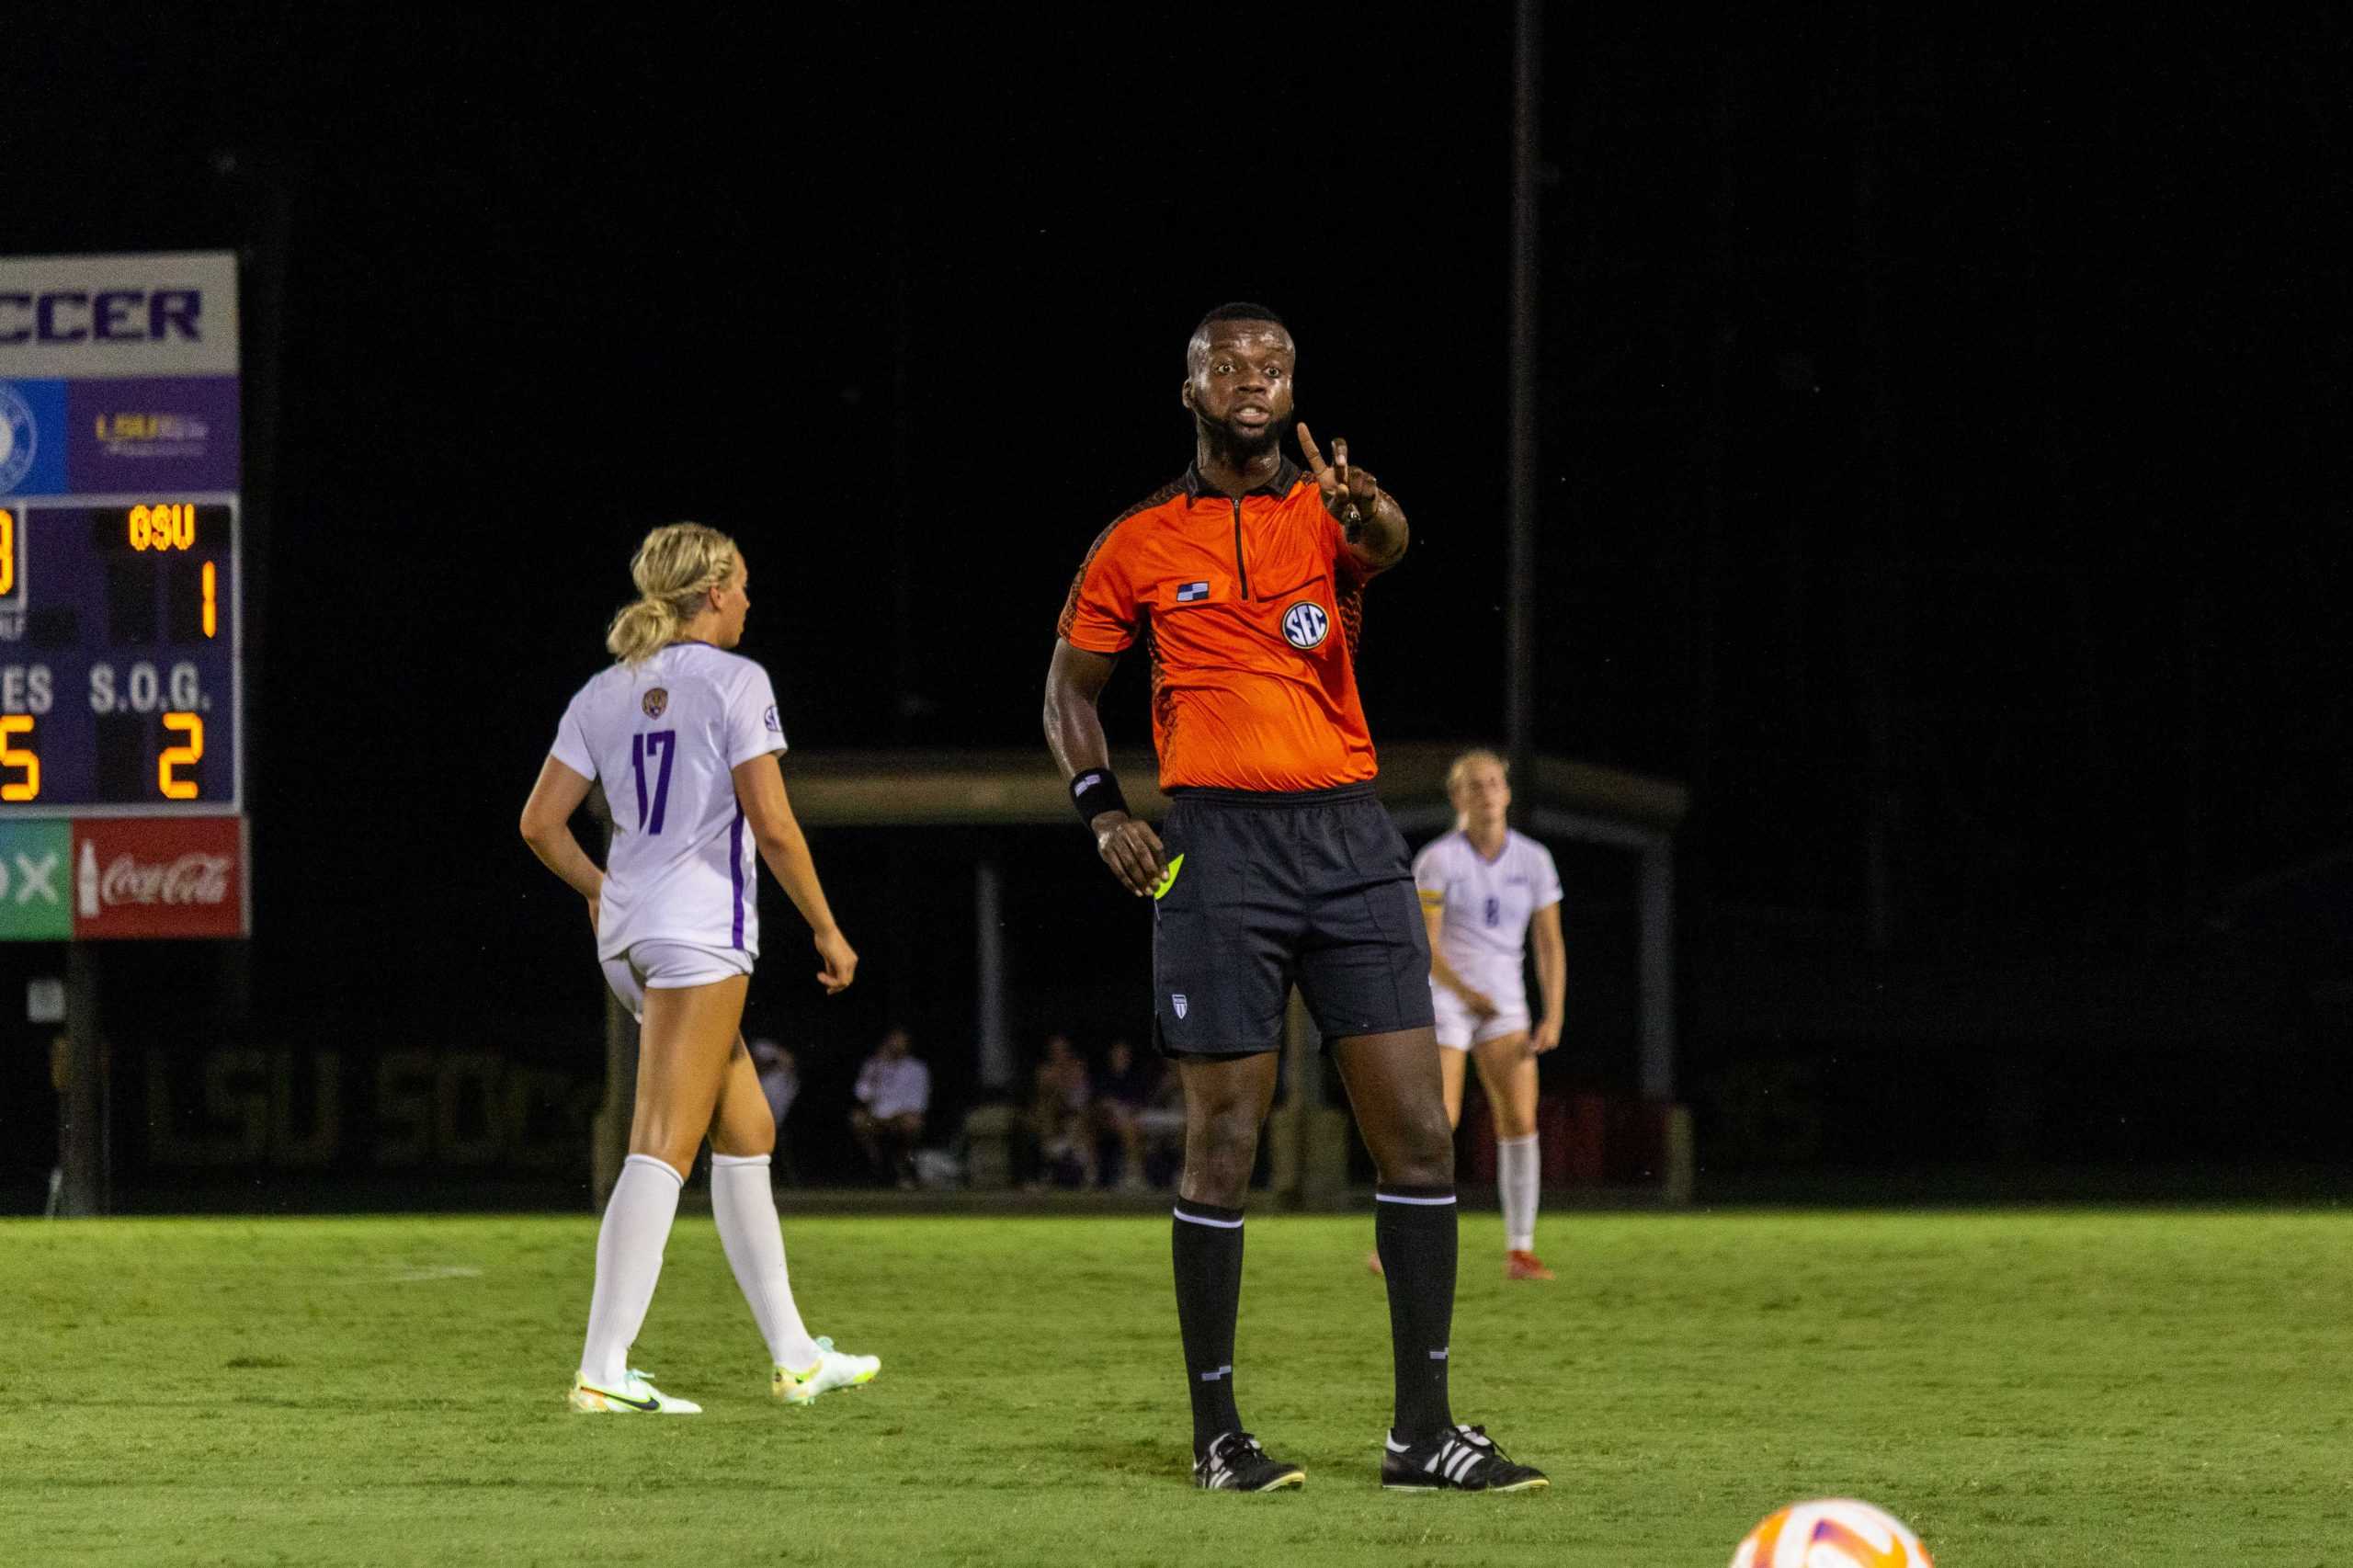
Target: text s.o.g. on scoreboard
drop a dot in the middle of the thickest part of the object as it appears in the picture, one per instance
(121, 670)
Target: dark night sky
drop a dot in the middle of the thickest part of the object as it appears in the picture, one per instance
(1942, 426)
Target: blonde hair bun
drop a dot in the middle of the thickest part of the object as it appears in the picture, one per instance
(676, 565)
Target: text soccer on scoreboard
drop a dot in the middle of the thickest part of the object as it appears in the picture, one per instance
(121, 678)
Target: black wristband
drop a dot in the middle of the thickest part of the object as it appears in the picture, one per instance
(1095, 791)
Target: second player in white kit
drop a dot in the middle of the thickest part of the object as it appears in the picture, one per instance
(1486, 905)
(1485, 889)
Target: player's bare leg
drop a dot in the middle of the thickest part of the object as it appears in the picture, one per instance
(683, 1045)
(1226, 1100)
(1450, 1076)
(741, 1125)
(683, 1048)
(1508, 1072)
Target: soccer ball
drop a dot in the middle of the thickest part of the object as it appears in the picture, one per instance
(1835, 1533)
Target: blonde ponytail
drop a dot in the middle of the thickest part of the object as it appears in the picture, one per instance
(672, 569)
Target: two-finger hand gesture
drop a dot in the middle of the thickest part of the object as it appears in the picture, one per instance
(1132, 850)
(1351, 494)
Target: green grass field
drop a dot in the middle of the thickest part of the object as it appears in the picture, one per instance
(2118, 1389)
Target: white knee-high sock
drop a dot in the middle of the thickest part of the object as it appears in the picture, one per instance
(745, 1206)
(628, 1261)
(1515, 1160)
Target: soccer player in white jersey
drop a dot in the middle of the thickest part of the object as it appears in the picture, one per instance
(684, 736)
(1484, 888)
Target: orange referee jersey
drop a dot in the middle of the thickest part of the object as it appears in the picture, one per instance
(1251, 609)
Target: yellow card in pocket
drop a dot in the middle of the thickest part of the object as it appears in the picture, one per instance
(1175, 865)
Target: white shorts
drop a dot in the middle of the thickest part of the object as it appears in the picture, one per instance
(1459, 1029)
(669, 966)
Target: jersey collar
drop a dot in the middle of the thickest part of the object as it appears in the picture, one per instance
(1286, 476)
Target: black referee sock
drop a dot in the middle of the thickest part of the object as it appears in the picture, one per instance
(1207, 1242)
(1414, 1228)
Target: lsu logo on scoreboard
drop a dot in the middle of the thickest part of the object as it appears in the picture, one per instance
(135, 433)
(121, 431)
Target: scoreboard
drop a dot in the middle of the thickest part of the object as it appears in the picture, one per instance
(120, 692)
(122, 627)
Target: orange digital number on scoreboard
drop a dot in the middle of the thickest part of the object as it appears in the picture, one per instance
(24, 785)
(7, 552)
(173, 758)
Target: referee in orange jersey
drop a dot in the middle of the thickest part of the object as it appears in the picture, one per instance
(1277, 866)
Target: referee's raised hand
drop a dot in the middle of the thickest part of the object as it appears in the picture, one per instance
(1132, 850)
(1351, 494)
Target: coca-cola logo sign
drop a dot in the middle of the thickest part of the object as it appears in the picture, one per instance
(165, 877)
(191, 878)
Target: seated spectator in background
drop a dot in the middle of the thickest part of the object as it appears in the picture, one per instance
(780, 1085)
(1121, 1093)
(1060, 1121)
(779, 1077)
(1162, 1124)
(894, 1092)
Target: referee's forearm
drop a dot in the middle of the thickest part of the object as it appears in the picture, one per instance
(1074, 732)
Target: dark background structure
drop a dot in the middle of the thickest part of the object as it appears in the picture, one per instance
(1942, 436)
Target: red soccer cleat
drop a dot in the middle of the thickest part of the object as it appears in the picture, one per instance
(1525, 1266)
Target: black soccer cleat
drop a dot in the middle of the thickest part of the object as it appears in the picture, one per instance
(1236, 1463)
(1463, 1459)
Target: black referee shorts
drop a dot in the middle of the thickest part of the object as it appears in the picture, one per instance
(1311, 887)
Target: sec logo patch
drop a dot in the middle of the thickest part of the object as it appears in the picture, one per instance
(1305, 623)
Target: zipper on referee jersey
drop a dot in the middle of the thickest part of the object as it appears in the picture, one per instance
(1239, 569)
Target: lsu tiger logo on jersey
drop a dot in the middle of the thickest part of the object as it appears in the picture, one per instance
(656, 702)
